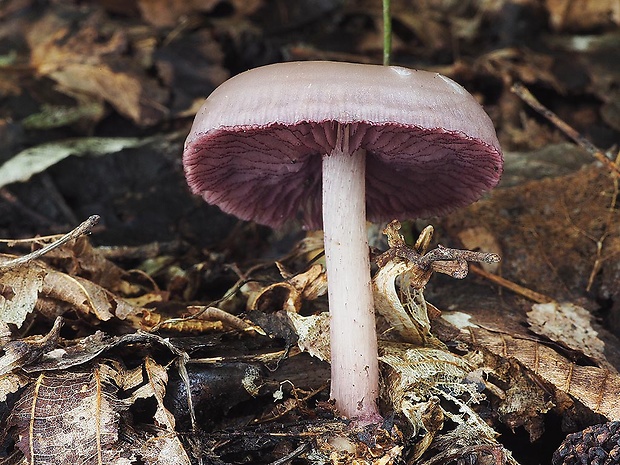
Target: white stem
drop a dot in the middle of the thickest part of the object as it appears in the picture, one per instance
(353, 337)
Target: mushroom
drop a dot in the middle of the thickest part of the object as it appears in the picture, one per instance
(332, 144)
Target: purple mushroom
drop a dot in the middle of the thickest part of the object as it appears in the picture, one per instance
(333, 144)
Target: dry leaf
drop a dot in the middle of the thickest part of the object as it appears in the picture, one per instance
(10, 383)
(313, 334)
(583, 15)
(158, 447)
(417, 378)
(155, 386)
(289, 294)
(571, 326)
(597, 388)
(19, 292)
(80, 258)
(21, 353)
(412, 325)
(85, 297)
(67, 418)
(84, 60)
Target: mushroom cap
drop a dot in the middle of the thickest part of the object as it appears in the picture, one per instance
(256, 145)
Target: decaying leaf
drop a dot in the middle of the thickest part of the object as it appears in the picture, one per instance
(35, 285)
(155, 386)
(34, 160)
(289, 294)
(67, 418)
(523, 403)
(569, 325)
(11, 383)
(411, 324)
(158, 447)
(19, 292)
(419, 378)
(90, 61)
(80, 258)
(583, 15)
(20, 353)
(313, 334)
(414, 266)
(596, 388)
(85, 296)
(74, 416)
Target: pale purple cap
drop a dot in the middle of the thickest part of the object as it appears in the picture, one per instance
(256, 145)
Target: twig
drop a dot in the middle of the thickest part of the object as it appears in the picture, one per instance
(525, 95)
(81, 230)
(514, 287)
(293, 455)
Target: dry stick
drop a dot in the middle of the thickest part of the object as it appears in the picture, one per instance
(514, 287)
(81, 230)
(525, 95)
(293, 455)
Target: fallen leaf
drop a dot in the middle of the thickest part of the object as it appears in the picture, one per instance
(83, 58)
(596, 388)
(85, 296)
(34, 160)
(22, 352)
(571, 326)
(19, 292)
(67, 418)
(411, 324)
(313, 334)
(583, 15)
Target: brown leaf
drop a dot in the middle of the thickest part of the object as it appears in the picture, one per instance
(19, 291)
(11, 383)
(80, 258)
(411, 324)
(417, 378)
(167, 13)
(289, 294)
(85, 297)
(596, 388)
(571, 326)
(155, 379)
(90, 61)
(158, 447)
(21, 353)
(67, 418)
(583, 15)
(313, 334)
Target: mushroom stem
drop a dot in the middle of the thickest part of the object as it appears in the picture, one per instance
(353, 337)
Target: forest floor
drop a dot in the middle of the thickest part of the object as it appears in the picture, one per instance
(104, 337)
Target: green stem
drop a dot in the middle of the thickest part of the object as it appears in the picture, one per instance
(387, 33)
